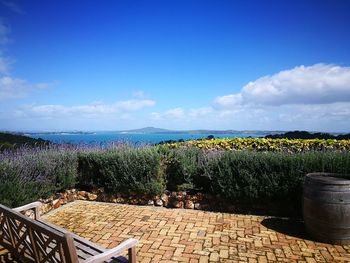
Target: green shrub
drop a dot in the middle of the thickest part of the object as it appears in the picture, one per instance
(36, 174)
(122, 169)
(267, 177)
(181, 167)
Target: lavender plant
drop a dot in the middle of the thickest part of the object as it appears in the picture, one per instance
(27, 174)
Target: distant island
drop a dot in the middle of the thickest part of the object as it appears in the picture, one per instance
(153, 130)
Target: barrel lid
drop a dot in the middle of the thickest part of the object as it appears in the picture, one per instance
(329, 178)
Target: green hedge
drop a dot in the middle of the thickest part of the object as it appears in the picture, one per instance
(252, 179)
(246, 177)
(250, 175)
(123, 169)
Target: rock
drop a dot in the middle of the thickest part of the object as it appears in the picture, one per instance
(158, 202)
(197, 206)
(46, 201)
(45, 208)
(180, 196)
(165, 199)
(150, 202)
(189, 204)
(178, 204)
(63, 195)
(82, 193)
(120, 200)
(183, 193)
(91, 197)
(79, 197)
(71, 197)
(56, 203)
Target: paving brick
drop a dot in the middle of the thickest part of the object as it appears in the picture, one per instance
(179, 235)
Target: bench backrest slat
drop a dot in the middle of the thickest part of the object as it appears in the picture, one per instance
(32, 241)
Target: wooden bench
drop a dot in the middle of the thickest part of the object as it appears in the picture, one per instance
(36, 240)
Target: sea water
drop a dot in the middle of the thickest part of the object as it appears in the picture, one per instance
(136, 138)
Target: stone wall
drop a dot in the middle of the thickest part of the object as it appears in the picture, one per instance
(168, 199)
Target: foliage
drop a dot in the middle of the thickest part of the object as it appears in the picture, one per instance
(269, 176)
(254, 178)
(308, 135)
(262, 144)
(268, 172)
(13, 141)
(181, 167)
(122, 169)
(28, 174)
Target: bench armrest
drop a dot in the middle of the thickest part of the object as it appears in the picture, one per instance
(35, 205)
(129, 244)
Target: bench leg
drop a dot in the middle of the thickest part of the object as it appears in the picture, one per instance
(132, 255)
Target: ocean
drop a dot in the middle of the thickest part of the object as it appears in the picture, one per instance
(135, 138)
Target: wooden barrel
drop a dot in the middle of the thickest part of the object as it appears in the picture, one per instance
(326, 207)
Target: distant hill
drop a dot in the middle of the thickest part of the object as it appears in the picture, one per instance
(153, 130)
(148, 130)
(308, 135)
(9, 140)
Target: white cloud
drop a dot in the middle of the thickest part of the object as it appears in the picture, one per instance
(93, 110)
(12, 88)
(175, 113)
(200, 112)
(134, 105)
(317, 84)
(313, 98)
(5, 64)
(228, 101)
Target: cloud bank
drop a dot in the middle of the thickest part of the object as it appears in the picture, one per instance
(313, 97)
(92, 110)
(317, 84)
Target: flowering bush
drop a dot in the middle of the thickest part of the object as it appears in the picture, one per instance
(27, 174)
(262, 144)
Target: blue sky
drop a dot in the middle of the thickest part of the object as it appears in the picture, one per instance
(114, 65)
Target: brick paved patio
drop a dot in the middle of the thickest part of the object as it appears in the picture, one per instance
(175, 235)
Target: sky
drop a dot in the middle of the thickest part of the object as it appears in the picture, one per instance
(175, 64)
